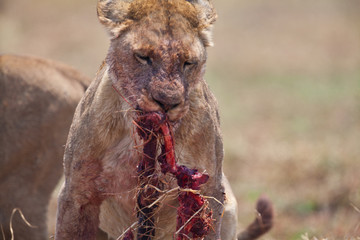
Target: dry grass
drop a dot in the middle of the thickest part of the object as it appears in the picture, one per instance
(287, 77)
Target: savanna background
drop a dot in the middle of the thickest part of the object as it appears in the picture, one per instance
(286, 74)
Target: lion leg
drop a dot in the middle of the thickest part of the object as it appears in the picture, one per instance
(229, 219)
(215, 195)
(79, 204)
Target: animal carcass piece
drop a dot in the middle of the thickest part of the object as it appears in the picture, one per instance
(193, 216)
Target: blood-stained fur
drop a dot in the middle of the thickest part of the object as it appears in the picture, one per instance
(155, 63)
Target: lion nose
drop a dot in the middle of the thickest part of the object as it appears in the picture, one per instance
(167, 102)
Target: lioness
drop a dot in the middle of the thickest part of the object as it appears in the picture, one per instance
(37, 102)
(155, 63)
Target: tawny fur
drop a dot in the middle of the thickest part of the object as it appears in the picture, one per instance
(37, 102)
(156, 62)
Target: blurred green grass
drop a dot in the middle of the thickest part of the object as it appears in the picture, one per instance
(287, 78)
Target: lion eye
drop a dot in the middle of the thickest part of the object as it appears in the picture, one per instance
(188, 64)
(143, 59)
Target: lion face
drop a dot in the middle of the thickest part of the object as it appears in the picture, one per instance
(157, 55)
(155, 70)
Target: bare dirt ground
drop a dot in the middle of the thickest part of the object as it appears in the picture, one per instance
(287, 78)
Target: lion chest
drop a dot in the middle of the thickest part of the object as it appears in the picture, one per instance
(120, 184)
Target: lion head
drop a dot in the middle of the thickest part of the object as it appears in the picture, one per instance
(157, 51)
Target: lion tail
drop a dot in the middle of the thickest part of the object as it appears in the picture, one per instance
(262, 223)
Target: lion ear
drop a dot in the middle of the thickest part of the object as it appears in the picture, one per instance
(207, 16)
(112, 14)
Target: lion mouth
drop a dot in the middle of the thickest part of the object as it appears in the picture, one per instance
(172, 116)
(173, 112)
